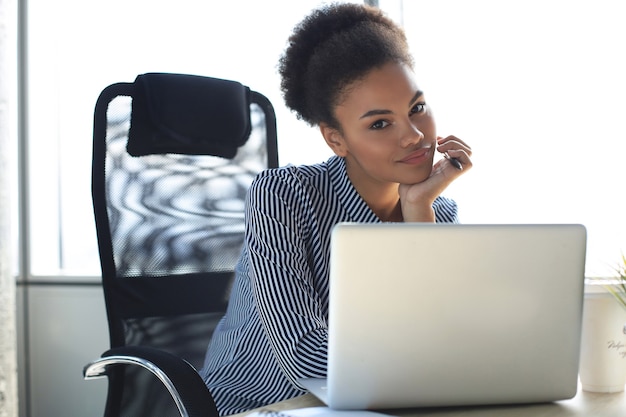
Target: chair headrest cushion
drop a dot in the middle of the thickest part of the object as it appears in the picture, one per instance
(188, 114)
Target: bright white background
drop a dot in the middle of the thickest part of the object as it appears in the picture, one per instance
(536, 87)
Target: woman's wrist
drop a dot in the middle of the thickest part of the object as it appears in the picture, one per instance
(424, 214)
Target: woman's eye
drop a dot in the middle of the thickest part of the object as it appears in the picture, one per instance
(418, 108)
(379, 124)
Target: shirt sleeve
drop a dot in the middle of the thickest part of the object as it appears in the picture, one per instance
(446, 210)
(278, 235)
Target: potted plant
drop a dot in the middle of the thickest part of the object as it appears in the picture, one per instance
(618, 288)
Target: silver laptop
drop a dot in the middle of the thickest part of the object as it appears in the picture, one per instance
(448, 314)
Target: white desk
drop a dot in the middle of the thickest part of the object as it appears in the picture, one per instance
(584, 404)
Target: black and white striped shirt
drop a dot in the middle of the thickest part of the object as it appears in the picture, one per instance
(275, 329)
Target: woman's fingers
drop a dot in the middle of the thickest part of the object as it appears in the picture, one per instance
(451, 143)
(456, 151)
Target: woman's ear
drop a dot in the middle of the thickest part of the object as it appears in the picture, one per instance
(334, 139)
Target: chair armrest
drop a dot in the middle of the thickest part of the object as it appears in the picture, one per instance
(180, 378)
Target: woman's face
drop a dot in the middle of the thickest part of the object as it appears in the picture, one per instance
(387, 133)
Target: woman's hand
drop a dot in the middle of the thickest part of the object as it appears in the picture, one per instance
(416, 200)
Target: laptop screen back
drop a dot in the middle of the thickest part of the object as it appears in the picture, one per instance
(448, 314)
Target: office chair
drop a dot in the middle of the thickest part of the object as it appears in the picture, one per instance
(173, 156)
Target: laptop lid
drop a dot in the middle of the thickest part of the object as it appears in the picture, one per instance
(448, 314)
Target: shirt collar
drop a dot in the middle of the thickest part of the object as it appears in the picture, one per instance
(354, 205)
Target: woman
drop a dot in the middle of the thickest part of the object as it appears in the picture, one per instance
(347, 70)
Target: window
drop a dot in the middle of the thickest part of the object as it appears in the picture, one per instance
(536, 87)
(77, 48)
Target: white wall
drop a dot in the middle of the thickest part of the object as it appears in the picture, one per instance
(66, 329)
(8, 355)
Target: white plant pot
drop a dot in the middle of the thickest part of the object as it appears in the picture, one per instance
(603, 345)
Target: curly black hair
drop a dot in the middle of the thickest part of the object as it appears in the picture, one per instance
(332, 48)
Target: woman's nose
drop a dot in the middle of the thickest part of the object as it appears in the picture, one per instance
(413, 135)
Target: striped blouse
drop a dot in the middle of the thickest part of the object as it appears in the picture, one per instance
(275, 328)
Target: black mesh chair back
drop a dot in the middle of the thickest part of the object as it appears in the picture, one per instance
(173, 158)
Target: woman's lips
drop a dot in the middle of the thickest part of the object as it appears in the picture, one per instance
(416, 157)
